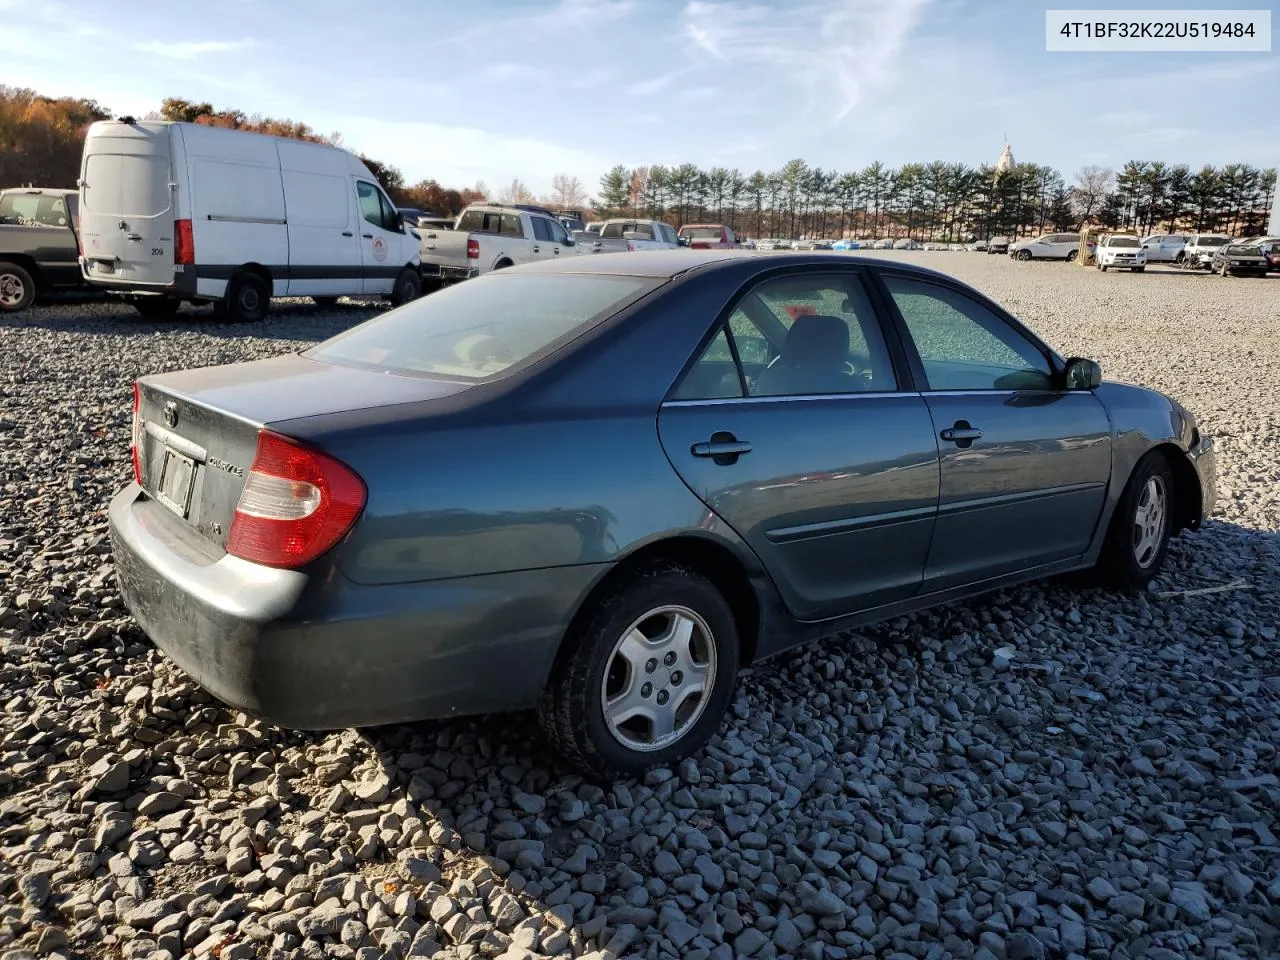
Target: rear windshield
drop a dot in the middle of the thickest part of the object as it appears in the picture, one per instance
(119, 184)
(478, 329)
(491, 221)
(33, 210)
(701, 233)
(613, 231)
(1123, 242)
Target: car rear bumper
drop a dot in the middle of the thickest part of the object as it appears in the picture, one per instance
(317, 651)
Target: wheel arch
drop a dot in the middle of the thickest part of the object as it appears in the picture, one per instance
(1186, 485)
(708, 556)
(26, 262)
(259, 271)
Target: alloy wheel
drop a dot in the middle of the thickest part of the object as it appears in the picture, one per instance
(1149, 521)
(658, 679)
(12, 289)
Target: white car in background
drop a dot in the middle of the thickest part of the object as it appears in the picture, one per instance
(1051, 246)
(885, 244)
(1202, 246)
(1120, 251)
(1165, 247)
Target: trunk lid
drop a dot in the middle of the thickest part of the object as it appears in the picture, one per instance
(200, 427)
(126, 209)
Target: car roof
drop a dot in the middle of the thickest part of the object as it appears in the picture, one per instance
(667, 264)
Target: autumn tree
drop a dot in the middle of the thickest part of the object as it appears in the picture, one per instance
(41, 138)
(515, 192)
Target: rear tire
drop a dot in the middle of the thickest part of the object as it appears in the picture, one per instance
(157, 308)
(1138, 538)
(408, 287)
(1071, 255)
(325, 303)
(1139, 269)
(17, 288)
(584, 713)
(247, 299)
(1182, 255)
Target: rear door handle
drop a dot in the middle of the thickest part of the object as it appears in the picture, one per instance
(348, 233)
(723, 447)
(367, 236)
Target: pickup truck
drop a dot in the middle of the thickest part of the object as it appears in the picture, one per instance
(488, 236)
(617, 236)
(38, 246)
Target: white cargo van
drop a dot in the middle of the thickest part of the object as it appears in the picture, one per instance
(180, 211)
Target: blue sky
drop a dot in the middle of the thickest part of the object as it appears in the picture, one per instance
(493, 89)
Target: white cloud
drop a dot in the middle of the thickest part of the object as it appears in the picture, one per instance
(192, 49)
(837, 52)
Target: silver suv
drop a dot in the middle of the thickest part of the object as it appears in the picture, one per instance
(1202, 246)
(1165, 247)
(1051, 246)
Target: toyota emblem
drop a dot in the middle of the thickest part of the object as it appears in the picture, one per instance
(171, 414)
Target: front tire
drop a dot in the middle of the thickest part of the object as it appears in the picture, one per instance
(408, 287)
(247, 299)
(1024, 255)
(1222, 270)
(1138, 538)
(1102, 267)
(17, 289)
(646, 674)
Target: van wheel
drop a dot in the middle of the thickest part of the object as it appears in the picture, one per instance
(17, 289)
(646, 674)
(328, 303)
(157, 308)
(408, 287)
(247, 298)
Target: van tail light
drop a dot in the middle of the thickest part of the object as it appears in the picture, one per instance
(184, 243)
(296, 504)
(473, 248)
(135, 447)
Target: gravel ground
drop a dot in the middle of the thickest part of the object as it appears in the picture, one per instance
(1106, 788)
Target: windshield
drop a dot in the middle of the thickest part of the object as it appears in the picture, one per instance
(1214, 241)
(1123, 242)
(478, 329)
(701, 233)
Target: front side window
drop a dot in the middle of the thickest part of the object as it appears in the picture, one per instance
(962, 344)
(391, 219)
(370, 202)
(481, 328)
(557, 231)
(541, 229)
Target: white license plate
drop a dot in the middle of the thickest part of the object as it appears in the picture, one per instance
(176, 475)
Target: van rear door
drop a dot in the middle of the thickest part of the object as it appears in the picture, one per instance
(126, 210)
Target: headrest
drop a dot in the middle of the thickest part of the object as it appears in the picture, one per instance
(817, 339)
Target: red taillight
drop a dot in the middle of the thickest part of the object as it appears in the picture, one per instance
(135, 448)
(296, 504)
(473, 248)
(184, 243)
(700, 246)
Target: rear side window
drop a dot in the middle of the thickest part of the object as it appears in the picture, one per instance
(122, 185)
(481, 328)
(33, 210)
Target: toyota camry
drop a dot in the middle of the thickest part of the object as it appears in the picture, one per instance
(598, 487)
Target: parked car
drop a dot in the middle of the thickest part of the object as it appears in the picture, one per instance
(885, 244)
(708, 236)
(572, 222)
(173, 212)
(1201, 247)
(618, 236)
(1050, 246)
(436, 223)
(1165, 247)
(383, 529)
(1270, 248)
(411, 215)
(820, 245)
(907, 244)
(490, 236)
(977, 246)
(846, 245)
(1239, 259)
(1120, 251)
(998, 245)
(38, 246)
(594, 226)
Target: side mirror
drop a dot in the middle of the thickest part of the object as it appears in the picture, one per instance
(569, 241)
(1083, 374)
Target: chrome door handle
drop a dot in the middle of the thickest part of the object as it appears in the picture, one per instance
(723, 447)
(962, 434)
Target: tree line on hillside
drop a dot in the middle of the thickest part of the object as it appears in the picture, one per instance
(41, 139)
(946, 201)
